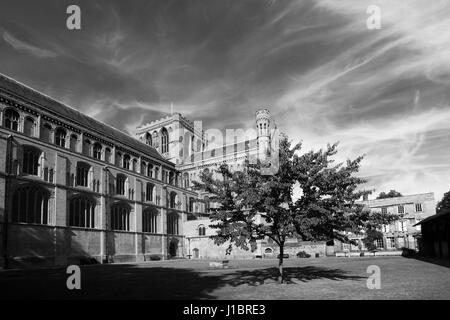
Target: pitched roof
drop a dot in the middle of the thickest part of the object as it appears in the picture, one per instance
(51, 105)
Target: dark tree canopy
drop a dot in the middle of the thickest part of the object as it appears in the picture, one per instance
(255, 206)
(390, 194)
(443, 206)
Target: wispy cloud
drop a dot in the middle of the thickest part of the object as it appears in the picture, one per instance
(325, 76)
(28, 48)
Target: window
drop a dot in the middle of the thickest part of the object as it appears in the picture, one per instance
(191, 204)
(45, 133)
(164, 140)
(73, 142)
(155, 139)
(390, 242)
(60, 137)
(419, 207)
(173, 200)
(201, 230)
(186, 180)
(150, 223)
(385, 228)
(31, 157)
(87, 147)
(12, 119)
(126, 162)
(135, 165)
(143, 167)
(156, 173)
(120, 216)
(149, 192)
(171, 178)
(30, 205)
(82, 212)
(379, 243)
(384, 210)
(28, 127)
(401, 226)
(148, 138)
(97, 151)
(118, 159)
(172, 223)
(83, 174)
(108, 155)
(121, 184)
(401, 209)
(149, 170)
(268, 251)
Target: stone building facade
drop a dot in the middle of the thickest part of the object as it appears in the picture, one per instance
(73, 189)
(193, 150)
(402, 233)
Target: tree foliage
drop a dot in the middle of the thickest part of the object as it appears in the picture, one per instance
(255, 206)
(390, 194)
(443, 206)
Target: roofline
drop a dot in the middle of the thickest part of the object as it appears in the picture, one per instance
(74, 120)
(433, 217)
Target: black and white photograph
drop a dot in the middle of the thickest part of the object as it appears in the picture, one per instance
(204, 150)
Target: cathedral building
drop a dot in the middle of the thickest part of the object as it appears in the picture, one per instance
(74, 190)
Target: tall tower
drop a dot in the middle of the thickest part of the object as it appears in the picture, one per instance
(263, 126)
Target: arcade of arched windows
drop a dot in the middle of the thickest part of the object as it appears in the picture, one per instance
(63, 136)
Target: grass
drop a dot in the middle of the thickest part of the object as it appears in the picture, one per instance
(324, 278)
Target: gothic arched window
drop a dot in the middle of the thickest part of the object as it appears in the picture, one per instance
(87, 147)
(108, 155)
(12, 119)
(45, 133)
(31, 156)
(28, 127)
(97, 151)
(164, 140)
(121, 184)
(30, 205)
(201, 230)
(73, 142)
(83, 170)
(148, 139)
(149, 192)
(82, 212)
(150, 220)
(173, 200)
(126, 161)
(172, 223)
(60, 137)
(120, 216)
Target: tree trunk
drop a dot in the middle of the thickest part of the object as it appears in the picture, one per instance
(280, 264)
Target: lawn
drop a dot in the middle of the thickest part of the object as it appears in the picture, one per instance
(322, 278)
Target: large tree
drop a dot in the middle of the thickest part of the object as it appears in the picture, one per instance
(309, 198)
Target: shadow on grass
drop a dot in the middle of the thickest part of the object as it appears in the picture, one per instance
(291, 275)
(440, 262)
(125, 281)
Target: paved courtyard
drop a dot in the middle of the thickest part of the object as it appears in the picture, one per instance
(324, 278)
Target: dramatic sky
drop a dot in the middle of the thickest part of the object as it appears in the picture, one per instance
(323, 74)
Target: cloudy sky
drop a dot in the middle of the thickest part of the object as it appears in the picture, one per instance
(323, 74)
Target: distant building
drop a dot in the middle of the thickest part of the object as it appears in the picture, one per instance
(435, 238)
(404, 232)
